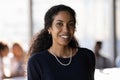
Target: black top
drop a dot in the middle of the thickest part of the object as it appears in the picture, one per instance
(44, 66)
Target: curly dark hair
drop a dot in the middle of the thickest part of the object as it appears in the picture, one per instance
(43, 40)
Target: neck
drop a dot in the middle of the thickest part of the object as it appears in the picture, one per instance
(61, 51)
(97, 54)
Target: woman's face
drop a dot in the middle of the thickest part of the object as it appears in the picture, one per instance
(5, 52)
(62, 29)
(17, 51)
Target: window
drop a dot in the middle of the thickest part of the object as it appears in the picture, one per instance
(14, 22)
(94, 21)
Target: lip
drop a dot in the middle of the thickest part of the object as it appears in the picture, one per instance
(65, 37)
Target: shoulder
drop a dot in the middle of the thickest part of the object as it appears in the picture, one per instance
(88, 55)
(104, 58)
(38, 56)
(85, 51)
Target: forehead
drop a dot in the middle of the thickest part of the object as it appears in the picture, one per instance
(63, 15)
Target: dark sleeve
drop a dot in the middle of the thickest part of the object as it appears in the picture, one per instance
(91, 65)
(33, 69)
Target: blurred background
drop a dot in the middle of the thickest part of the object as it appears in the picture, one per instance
(97, 20)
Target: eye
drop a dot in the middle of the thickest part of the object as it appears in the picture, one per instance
(59, 24)
(71, 25)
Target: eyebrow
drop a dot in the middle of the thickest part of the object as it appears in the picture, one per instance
(60, 20)
(63, 21)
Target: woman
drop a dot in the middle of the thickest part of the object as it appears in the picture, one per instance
(17, 64)
(4, 50)
(55, 54)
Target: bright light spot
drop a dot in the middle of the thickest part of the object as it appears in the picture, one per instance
(6, 64)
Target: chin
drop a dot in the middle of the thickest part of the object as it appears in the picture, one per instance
(64, 44)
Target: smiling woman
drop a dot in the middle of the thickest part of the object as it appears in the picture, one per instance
(55, 53)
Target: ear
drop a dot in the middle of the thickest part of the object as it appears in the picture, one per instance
(49, 30)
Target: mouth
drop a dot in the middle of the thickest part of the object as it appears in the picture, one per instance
(65, 37)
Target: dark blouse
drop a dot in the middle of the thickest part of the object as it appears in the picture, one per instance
(44, 66)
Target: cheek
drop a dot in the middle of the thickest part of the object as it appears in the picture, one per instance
(72, 32)
(55, 32)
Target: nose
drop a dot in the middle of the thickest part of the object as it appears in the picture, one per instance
(66, 28)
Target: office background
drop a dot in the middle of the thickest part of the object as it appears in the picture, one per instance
(96, 20)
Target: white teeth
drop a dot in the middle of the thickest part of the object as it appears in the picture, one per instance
(65, 36)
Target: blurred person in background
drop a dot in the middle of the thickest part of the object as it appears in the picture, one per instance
(101, 61)
(4, 50)
(17, 62)
(118, 62)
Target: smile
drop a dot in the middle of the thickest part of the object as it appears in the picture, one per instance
(65, 37)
